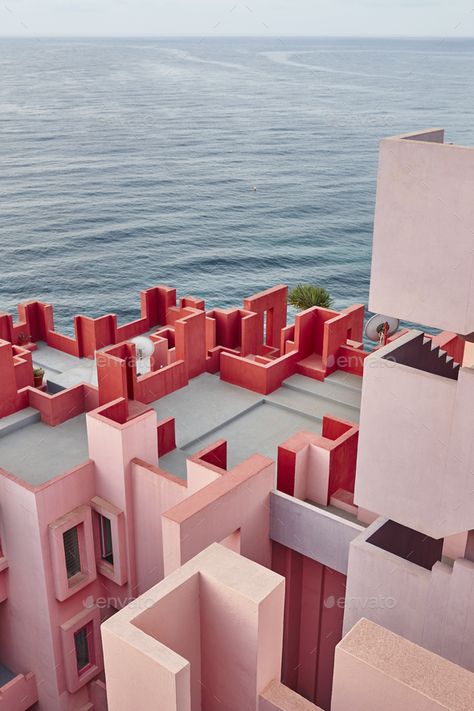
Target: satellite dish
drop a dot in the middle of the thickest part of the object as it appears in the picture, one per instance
(144, 349)
(375, 324)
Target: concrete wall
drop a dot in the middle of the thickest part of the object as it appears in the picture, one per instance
(376, 669)
(224, 612)
(415, 459)
(422, 258)
(237, 500)
(433, 608)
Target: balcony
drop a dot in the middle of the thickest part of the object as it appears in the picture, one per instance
(415, 459)
(17, 691)
(396, 578)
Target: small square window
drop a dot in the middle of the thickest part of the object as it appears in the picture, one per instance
(72, 552)
(106, 549)
(83, 643)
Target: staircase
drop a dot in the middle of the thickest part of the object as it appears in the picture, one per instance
(421, 353)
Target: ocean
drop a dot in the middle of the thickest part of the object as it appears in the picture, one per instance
(219, 166)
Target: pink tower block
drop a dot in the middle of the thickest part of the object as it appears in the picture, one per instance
(209, 636)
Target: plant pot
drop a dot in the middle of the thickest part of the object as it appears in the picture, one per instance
(38, 380)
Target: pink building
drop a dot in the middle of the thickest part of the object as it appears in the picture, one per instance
(207, 526)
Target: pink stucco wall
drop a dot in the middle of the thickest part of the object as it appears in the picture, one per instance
(237, 500)
(415, 456)
(433, 608)
(377, 669)
(424, 218)
(223, 612)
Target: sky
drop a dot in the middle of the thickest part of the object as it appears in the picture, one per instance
(379, 18)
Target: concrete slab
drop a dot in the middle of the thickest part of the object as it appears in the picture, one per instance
(347, 379)
(313, 531)
(313, 405)
(84, 373)
(54, 360)
(330, 389)
(18, 420)
(174, 463)
(202, 406)
(38, 452)
(258, 430)
(209, 409)
(63, 370)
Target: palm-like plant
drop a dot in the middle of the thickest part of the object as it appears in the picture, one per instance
(304, 296)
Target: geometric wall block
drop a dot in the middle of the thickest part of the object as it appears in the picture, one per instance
(401, 588)
(278, 697)
(422, 259)
(209, 636)
(415, 461)
(238, 501)
(376, 669)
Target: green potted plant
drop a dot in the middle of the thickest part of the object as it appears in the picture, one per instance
(38, 374)
(304, 296)
(23, 338)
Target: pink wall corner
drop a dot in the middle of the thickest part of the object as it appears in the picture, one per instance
(238, 500)
(136, 678)
(246, 645)
(154, 492)
(277, 697)
(378, 669)
(175, 621)
(113, 446)
(199, 475)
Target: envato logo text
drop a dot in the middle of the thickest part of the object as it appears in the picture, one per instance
(377, 602)
(117, 602)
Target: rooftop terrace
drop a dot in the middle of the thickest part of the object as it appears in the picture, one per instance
(239, 374)
(209, 409)
(37, 452)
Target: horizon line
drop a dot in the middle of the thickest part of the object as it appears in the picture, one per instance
(236, 36)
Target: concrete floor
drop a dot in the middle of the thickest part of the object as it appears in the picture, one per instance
(37, 452)
(206, 410)
(209, 409)
(63, 370)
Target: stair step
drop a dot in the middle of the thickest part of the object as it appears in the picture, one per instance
(18, 420)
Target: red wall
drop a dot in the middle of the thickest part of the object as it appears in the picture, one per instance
(314, 600)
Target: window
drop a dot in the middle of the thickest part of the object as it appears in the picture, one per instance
(71, 552)
(71, 540)
(109, 540)
(106, 550)
(83, 643)
(82, 648)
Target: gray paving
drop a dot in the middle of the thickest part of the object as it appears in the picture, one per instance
(38, 452)
(313, 404)
(18, 420)
(209, 409)
(54, 360)
(258, 430)
(206, 410)
(63, 370)
(348, 392)
(202, 406)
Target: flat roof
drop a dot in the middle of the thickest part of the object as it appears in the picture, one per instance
(208, 409)
(63, 370)
(37, 452)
